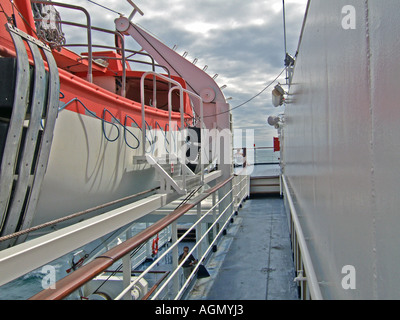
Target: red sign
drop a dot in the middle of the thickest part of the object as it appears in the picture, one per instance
(277, 146)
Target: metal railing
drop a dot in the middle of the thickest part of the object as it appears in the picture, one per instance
(306, 277)
(89, 30)
(125, 57)
(182, 123)
(242, 188)
(221, 213)
(177, 86)
(255, 156)
(236, 194)
(142, 97)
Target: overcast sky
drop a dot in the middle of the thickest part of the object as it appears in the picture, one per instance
(240, 40)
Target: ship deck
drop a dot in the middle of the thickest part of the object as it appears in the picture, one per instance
(254, 259)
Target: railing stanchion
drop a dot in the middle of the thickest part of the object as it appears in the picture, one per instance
(175, 256)
(127, 267)
(199, 231)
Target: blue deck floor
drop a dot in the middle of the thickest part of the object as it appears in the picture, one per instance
(254, 259)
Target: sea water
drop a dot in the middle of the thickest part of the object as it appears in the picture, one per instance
(34, 282)
(256, 156)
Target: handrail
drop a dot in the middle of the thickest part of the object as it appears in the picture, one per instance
(211, 227)
(184, 286)
(182, 119)
(132, 284)
(312, 280)
(142, 97)
(194, 247)
(88, 25)
(78, 278)
(124, 58)
(156, 124)
(90, 45)
(194, 271)
(90, 49)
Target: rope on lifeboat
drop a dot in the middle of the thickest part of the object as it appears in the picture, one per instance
(151, 135)
(103, 127)
(103, 121)
(125, 130)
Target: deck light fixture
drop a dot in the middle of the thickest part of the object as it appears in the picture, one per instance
(277, 96)
(275, 121)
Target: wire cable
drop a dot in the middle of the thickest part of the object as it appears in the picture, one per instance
(252, 98)
(104, 7)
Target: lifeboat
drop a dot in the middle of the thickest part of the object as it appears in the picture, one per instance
(74, 126)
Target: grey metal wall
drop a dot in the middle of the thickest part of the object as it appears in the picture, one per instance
(341, 145)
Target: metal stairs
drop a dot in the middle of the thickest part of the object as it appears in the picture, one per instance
(173, 174)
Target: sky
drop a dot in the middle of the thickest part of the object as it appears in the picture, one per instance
(241, 41)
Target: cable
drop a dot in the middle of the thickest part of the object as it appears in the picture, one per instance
(188, 197)
(284, 25)
(104, 7)
(74, 215)
(242, 104)
(284, 34)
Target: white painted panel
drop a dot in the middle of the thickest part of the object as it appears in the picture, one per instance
(342, 145)
(385, 93)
